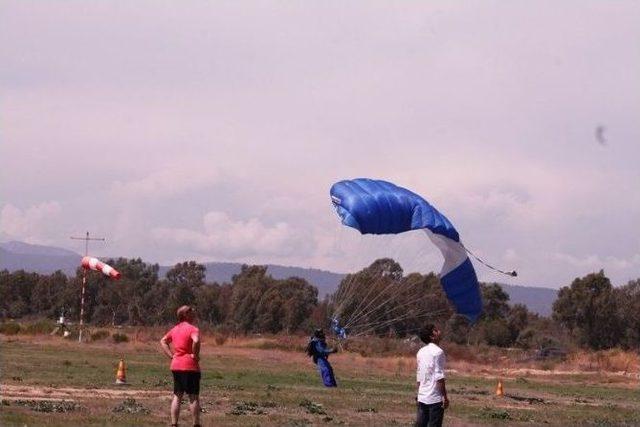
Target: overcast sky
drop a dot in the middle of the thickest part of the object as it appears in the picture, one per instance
(213, 130)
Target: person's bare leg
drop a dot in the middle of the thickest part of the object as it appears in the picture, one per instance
(175, 408)
(194, 405)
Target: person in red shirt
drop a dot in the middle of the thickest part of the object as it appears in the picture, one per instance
(185, 340)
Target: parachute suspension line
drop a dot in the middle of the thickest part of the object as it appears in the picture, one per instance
(345, 294)
(345, 290)
(380, 322)
(360, 330)
(373, 325)
(357, 309)
(366, 311)
(375, 316)
(507, 273)
(357, 314)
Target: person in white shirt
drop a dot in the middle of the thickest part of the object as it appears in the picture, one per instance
(432, 397)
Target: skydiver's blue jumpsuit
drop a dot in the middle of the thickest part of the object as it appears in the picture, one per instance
(320, 356)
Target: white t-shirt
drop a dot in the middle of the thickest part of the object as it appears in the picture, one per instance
(431, 362)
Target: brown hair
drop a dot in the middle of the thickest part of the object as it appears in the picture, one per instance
(184, 313)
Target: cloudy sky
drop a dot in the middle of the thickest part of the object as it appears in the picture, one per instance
(213, 130)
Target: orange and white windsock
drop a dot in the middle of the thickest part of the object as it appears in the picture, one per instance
(95, 264)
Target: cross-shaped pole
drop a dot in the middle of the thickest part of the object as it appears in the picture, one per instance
(84, 279)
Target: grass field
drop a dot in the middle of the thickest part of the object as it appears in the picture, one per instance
(55, 382)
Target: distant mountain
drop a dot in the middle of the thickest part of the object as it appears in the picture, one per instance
(47, 259)
(37, 258)
(21, 248)
(538, 300)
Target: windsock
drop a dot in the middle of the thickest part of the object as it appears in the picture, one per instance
(95, 264)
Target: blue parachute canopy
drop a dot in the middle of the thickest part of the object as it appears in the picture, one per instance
(380, 207)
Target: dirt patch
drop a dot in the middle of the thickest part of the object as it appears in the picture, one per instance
(17, 392)
(45, 405)
(130, 406)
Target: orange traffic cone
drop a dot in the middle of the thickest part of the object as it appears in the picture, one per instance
(121, 376)
(499, 390)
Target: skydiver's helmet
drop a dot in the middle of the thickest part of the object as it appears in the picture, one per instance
(319, 333)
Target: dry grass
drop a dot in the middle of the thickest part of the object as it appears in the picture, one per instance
(614, 360)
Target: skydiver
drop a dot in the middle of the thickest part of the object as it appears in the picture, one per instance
(317, 349)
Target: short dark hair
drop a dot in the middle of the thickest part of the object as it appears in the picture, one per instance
(426, 332)
(318, 333)
(184, 313)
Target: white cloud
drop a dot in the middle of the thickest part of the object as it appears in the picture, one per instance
(227, 238)
(182, 176)
(30, 225)
(597, 262)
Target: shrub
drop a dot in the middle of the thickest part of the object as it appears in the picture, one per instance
(496, 332)
(100, 335)
(9, 328)
(40, 327)
(118, 338)
(220, 339)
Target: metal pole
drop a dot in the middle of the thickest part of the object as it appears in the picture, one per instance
(84, 280)
(84, 283)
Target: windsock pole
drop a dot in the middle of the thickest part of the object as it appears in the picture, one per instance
(84, 280)
(84, 285)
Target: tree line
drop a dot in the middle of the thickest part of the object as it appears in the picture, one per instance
(379, 299)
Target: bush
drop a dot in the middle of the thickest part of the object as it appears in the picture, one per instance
(40, 327)
(220, 339)
(100, 335)
(9, 328)
(118, 338)
(496, 332)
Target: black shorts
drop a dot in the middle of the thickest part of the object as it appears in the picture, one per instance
(186, 382)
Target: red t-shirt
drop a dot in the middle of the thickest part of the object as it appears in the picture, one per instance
(181, 336)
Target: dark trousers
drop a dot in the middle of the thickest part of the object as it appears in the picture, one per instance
(430, 415)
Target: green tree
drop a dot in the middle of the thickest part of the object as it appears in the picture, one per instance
(495, 301)
(457, 329)
(588, 309)
(209, 303)
(184, 279)
(517, 320)
(45, 294)
(187, 273)
(247, 289)
(286, 306)
(496, 332)
(628, 298)
(18, 288)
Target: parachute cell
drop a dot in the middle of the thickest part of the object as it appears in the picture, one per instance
(90, 263)
(380, 207)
